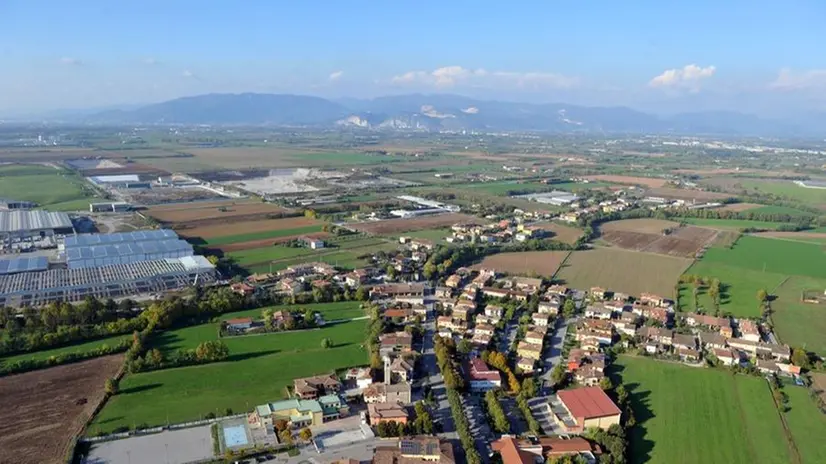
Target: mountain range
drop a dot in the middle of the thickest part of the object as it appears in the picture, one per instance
(442, 112)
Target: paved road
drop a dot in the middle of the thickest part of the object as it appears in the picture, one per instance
(511, 327)
(479, 427)
(433, 378)
(553, 350)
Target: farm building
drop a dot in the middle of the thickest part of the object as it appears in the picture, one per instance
(37, 288)
(37, 223)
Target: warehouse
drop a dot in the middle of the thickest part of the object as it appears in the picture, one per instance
(120, 237)
(38, 288)
(37, 223)
(93, 250)
(23, 264)
(110, 207)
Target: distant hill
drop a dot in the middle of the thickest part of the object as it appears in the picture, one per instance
(418, 112)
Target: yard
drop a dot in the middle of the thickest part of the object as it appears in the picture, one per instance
(56, 189)
(259, 369)
(691, 415)
(624, 271)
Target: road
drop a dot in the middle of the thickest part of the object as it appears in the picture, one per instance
(553, 350)
(478, 423)
(433, 378)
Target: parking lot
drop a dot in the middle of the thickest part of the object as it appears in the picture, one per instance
(173, 447)
(342, 432)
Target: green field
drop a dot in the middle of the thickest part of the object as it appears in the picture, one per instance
(806, 424)
(788, 189)
(76, 348)
(230, 239)
(271, 253)
(779, 210)
(503, 187)
(693, 415)
(56, 189)
(435, 235)
(732, 224)
(798, 323)
(259, 369)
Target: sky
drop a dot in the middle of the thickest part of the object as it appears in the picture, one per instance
(758, 56)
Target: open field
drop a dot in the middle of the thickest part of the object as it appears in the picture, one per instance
(806, 423)
(56, 189)
(689, 415)
(732, 224)
(504, 187)
(234, 210)
(650, 182)
(259, 369)
(346, 259)
(684, 241)
(243, 228)
(391, 226)
(629, 272)
(44, 409)
(819, 384)
(74, 348)
(540, 263)
(685, 194)
(435, 235)
(783, 188)
(739, 207)
(266, 242)
(797, 323)
(810, 237)
(562, 233)
(276, 157)
(254, 256)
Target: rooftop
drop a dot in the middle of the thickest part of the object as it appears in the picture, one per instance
(21, 221)
(588, 403)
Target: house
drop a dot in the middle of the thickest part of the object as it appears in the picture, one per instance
(663, 316)
(484, 329)
(482, 378)
(239, 324)
(749, 330)
(597, 325)
(415, 450)
(598, 312)
(411, 293)
(746, 346)
(788, 369)
(443, 292)
(454, 281)
(312, 243)
(387, 412)
(688, 355)
(727, 356)
(542, 449)
(401, 370)
(333, 407)
(316, 386)
(780, 353)
(398, 341)
(576, 357)
(597, 293)
(584, 408)
(357, 278)
(298, 413)
(652, 347)
(402, 314)
(535, 338)
(549, 307)
(540, 319)
(616, 307)
(481, 340)
(709, 340)
(420, 244)
(624, 327)
(727, 331)
(447, 322)
(715, 323)
(494, 312)
(483, 319)
(528, 284)
(558, 290)
(526, 365)
(462, 310)
(589, 375)
(383, 393)
(291, 286)
(593, 339)
(655, 300)
(529, 350)
(684, 341)
(242, 288)
(363, 376)
(766, 366)
(494, 292)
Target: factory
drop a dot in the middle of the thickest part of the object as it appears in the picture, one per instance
(22, 230)
(93, 250)
(556, 198)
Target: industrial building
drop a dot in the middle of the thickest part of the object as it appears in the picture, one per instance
(23, 264)
(556, 198)
(9, 204)
(93, 250)
(110, 207)
(38, 288)
(120, 181)
(37, 223)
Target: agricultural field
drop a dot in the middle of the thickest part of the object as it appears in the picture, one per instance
(690, 415)
(539, 263)
(503, 187)
(337, 249)
(809, 237)
(798, 323)
(236, 232)
(43, 410)
(435, 235)
(75, 348)
(212, 210)
(740, 207)
(276, 157)
(561, 233)
(806, 424)
(783, 188)
(629, 272)
(259, 369)
(650, 182)
(686, 194)
(402, 226)
(732, 224)
(57, 189)
(683, 241)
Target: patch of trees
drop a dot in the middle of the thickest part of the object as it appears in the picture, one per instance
(612, 441)
(462, 427)
(422, 425)
(26, 365)
(496, 413)
(206, 352)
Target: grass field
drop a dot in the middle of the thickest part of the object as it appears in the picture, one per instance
(798, 323)
(247, 237)
(259, 369)
(76, 348)
(732, 224)
(629, 272)
(768, 255)
(272, 253)
(503, 187)
(436, 235)
(56, 190)
(806, 424)
(690, 415)
(779, 210)
(788, 189)
(339, 252)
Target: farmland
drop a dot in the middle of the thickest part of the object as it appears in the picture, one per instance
(732, 224)
(806, 423)
(787, 189)
(44, 409)
(248, 229)
(561, 233)
(337, 249)
(651, 182)
(629, 272)
(732, 416)
(213, 210)
(685, 241)
(685, 194)
(57, 189)
(394, 226)
(540, 263)
(276, 157)
(75, 348)
(810, 237)
(259, 369)
(798, 323)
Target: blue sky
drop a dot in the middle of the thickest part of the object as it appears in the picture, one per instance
(756, 56)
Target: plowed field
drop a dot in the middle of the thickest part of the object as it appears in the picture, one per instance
(540, 263)
(646, 235)
(247, 227)
(390, 226)
(211, 211)
(652, 182)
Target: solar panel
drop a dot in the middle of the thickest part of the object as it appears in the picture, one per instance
(120, 237)
(24, 264)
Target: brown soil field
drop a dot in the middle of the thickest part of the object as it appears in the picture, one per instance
(246, 227)
(201, 211)
(252, 244)
(624, 271)
(131, 168)
(819, 384)
(43, 410)
(738, 207)
(643, 226)
(793, 235)
(711, 172)
(562, 233)
(540, 263)
(650, 182)
(390, 226)
(685, 194)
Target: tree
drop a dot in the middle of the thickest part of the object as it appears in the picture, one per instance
(280, 425)
(326, 343)
(762, 295)
(212, 350)
(529, 387)
(464, 346)
(513, 383)
(568, 308)
(286, 436)
(622, 394)
(111, 386)
(306, 434)
(266, 314)
(154, 357)
(559, 376)
(605, 383)
(362, 294)
(801, 359)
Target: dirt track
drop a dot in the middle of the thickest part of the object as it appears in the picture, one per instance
(41, 411)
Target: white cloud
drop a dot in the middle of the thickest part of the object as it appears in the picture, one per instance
(69, 61)
(788, 79)
(189, 74)
(450, 76)
(334, 76)
(687, 77)
(150, 61)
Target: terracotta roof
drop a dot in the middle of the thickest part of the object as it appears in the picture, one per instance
(386, 411)
(478, 370)
(588, 403)
(414, 445)
(558, 446)
(240, 320)
(510, 452)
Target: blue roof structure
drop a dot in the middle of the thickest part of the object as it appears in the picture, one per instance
(25, 264)
(121, 237)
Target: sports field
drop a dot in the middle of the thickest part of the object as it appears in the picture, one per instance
(624, 271)
(259, 369)
(691, 415)
(56, 189)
